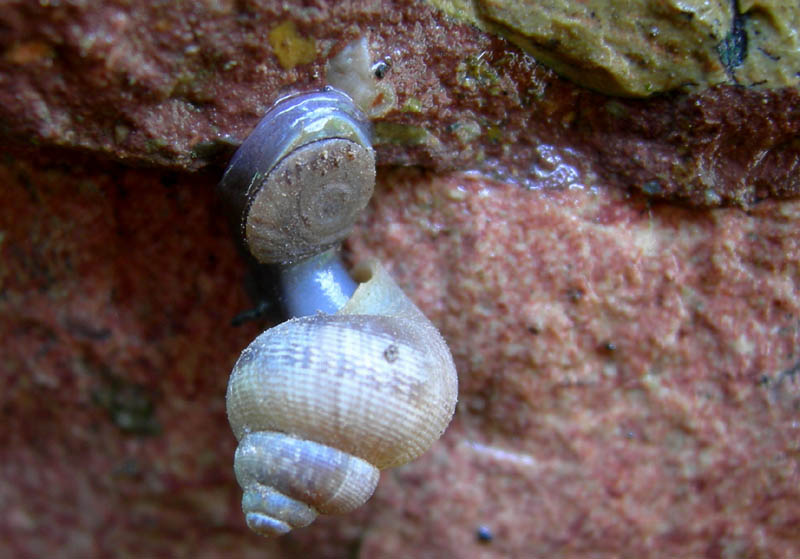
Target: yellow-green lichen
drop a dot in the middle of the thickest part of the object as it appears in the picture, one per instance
(155, 145)
(476, 72)
(642, 47)
(290, 47)
(494, 133)
(403, 134)
(616, 109)
(412, 105)
(194, 85)
(121, 133)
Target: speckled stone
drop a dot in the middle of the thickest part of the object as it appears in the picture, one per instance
(644, 47)
(628, 371)
(179, 85)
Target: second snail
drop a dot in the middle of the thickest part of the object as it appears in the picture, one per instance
(357, 380)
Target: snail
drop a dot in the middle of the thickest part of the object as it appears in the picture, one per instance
(358, 380)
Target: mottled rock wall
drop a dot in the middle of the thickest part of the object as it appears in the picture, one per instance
(628, 371)
(644, 47)
(628, 346)
(180, 85)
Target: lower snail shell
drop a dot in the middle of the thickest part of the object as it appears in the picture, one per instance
(321, 403)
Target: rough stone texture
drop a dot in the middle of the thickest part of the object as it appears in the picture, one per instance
(179, 85)
(644, 47)
(628, 371)
(628, 367)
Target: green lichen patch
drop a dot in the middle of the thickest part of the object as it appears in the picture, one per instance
(403, 134)
(475, 72)
(412, 105)
(120, 133)
(494, 134)
(211, 148)
(195, 85)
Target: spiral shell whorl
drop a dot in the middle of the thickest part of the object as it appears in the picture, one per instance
(336, 398)
(288, 481)
(373, 399)
(379, 387)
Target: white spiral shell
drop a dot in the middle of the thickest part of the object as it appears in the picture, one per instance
(320, 404)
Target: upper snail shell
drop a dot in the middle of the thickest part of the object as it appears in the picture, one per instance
(321, 403)
(300, 179)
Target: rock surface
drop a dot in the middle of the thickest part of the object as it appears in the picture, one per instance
(645, 47)
(180, 85)
(628, 371)
(628, 366)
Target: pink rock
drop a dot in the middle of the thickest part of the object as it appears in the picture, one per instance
(627, 371)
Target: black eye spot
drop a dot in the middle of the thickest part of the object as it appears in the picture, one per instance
(380, 69)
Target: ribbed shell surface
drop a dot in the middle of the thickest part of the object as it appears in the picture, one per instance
(379, 387)
(327, 479)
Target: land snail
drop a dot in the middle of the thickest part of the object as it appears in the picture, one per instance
(358, 380)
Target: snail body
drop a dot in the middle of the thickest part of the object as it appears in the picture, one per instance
(359, 380)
